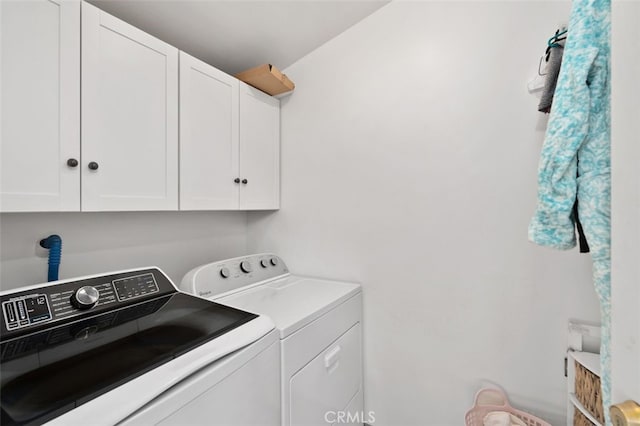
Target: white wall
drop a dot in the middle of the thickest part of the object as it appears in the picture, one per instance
(101, 242)
(409, 157)
(625, 228)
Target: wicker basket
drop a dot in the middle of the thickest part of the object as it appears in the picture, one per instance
(488, 400)
(588, 392)
(580, 419)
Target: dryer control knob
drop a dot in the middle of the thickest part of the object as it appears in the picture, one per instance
(245, 266)
(274, 261)
(224, 273)
(264, 263)
(85, 297)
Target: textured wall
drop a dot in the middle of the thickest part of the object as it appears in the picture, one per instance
(409, 155)
(101, 242)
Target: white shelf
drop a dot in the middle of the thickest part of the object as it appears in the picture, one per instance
(589, 360)
(580, 407)
(583, 341)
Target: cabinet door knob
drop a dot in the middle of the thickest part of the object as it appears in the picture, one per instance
(72, 162)
(244, 181)
(237, 180)
(93, 165)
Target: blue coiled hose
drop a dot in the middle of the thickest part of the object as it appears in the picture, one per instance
(54, 244)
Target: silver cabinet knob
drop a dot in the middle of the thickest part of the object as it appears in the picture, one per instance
(224, 273)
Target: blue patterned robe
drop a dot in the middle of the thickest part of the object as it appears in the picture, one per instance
(576, 159)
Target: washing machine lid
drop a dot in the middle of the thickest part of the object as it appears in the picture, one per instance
(59, 357)
(291, 302)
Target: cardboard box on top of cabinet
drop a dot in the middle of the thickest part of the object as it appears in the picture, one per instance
(267, 78)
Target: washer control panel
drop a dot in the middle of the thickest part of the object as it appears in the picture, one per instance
(217, 278)
(136, 286)
(24, 311)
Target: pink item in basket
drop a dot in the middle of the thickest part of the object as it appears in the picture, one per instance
(488, 400)
(502, 418)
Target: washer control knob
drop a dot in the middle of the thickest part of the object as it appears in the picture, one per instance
(224, 273)
(245, 266)
(264, 263)
(85, 297)
(274, 261)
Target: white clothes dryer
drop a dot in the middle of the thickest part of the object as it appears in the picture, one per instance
(320, 327)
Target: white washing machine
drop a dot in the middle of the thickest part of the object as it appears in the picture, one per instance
(128, 348)
(319, 323)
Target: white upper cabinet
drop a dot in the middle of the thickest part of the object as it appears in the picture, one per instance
(208, 137)
(259, 150)
(129, 117)
(90, 115)
(229, 142)
(40, 120)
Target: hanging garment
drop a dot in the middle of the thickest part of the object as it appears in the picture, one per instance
(550, 82)
(575, 162)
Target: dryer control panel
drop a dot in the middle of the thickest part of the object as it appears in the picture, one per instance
(217, 278)
(24, 311)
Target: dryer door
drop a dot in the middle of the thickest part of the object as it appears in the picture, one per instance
(325, 386)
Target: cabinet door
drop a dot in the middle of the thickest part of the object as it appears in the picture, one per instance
(129, 117)
(208, 137)
(259, 150)
(40, 121)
